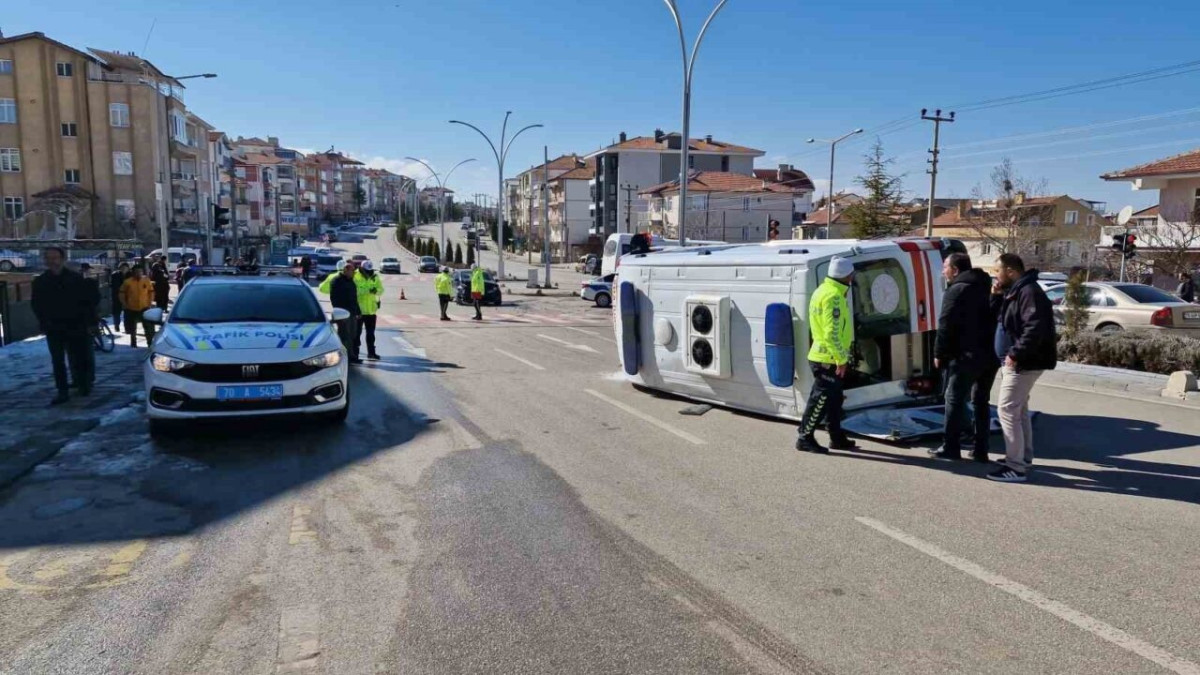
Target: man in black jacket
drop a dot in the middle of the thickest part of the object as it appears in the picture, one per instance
(1025, 341)
(65, 309)
(114, 290)
(343, 293)
(1187, 288)
(963, 350)
(162, 282)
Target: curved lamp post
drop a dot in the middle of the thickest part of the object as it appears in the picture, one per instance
(689, 65)
(442, 196)
(501, 154)
(832, 148)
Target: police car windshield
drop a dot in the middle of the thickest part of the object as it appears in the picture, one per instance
(267, 302)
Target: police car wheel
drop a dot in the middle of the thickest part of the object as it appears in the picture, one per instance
(339, 416)
(603, 300)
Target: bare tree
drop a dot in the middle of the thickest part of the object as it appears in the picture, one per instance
(1172, 245)
(1004, 218)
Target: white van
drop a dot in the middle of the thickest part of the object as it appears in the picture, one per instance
(619, 244)
(728, 324)
(176, 255)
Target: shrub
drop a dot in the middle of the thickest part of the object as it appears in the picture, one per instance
(470, 255)
(1075, 307)
(1147, 352)
(458, 259)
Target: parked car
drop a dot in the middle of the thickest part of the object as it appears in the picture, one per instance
(427, 263)
(327, 264)
(11, 260)
(1048, 280)
(588, 264)
(389, 266)
(359, 258)
(598, 290)
(1115, 307)
(462, 288)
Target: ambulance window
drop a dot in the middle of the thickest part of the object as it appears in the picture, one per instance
(881, 302)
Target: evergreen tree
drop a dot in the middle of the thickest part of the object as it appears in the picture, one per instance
(470, 254)
(1075, 307)
(437, 251)
(458, 259)
(879, 214)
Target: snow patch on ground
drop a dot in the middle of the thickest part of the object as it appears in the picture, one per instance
(618, 376)
(119, 446)
(129, 413)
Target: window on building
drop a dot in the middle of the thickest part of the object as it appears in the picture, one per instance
(985, 249)
(725, 163)
(1034, 221)
(118, 114)
(8, 111)
(1071, 218)
(691, 161)
(123, 163)
(10, 159)
(71, 176)
(1091, 219)
(64, 69)
(14, 207)
(1196, 202)
(126, 209)
(6, 67)
(745, 203)
(70, 129)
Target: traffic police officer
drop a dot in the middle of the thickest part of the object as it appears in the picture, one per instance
(443, 284)
(832, 330)
(477, 289)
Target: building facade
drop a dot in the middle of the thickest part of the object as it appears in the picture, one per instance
(570, 215)
(724, 206)
(633, 164)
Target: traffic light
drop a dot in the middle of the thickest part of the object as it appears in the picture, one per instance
(220, 218)
(1130, 246)
(772, 230)
(1118, 242)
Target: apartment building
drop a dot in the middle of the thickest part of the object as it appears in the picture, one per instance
(220, 164)
(633, 164)
(354, 191)
(723, 206)
(528, 224)
(570, 215)
(89, 142)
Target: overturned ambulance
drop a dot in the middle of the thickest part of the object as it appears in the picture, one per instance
(729, 324)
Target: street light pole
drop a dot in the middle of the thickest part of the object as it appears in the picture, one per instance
(832, 149)
(501, 154)
(689, 65)
(441, 195)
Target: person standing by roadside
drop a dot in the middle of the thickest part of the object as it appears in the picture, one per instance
(64, 310)
(443, 284)
(1025, 343)
(478, 286)
(162, 282)
(963, 351)
(832, 334)
(305, 266)
(137, 296)
(343, 294)
(370, 290)
(92, 284)
(1187, 288)
(117, 278)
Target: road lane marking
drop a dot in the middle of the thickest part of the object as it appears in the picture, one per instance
(407, 346)
(568, 345)
(647, 418)
(7, 583)
(531, 364)
(549, 319)
(591, 334)
(299, 645)
(121, 562)
(1094, 626)
(299, 532)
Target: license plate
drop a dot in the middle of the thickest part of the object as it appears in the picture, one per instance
(1191, 316)
(250, 392)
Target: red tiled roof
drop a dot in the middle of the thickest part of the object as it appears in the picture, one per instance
(950, 218)
(258, 158)
(587, 172)
(792, 178)
(215, 135)
(131, 62)
(820, 216)
(253, 140)
(720, 181)
(697, 144)
(1187, 162)
(1149, 212)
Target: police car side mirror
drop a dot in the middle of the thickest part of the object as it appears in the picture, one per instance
(340, 314)
(153, 315)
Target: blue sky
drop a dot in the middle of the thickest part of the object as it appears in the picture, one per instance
(379, 79)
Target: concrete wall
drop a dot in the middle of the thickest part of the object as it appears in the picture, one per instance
(1178, 199)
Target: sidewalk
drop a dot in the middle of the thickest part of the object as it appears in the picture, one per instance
(30, 430)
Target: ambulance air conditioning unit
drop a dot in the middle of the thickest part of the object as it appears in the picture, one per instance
(706, 335)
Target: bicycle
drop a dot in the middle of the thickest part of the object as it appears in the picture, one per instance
(103, 338)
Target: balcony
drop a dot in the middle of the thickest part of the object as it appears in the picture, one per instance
(177, 175)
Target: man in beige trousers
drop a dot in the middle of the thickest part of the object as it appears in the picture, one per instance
(1026, 346)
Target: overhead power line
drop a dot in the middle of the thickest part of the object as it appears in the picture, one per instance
(1111, 151)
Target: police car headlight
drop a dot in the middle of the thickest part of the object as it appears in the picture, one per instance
(167, 364)
(326, 360)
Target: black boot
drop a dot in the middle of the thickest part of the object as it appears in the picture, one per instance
(810, 444)
(841, 442)
(61, 398)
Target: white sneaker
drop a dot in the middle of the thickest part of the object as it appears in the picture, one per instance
(1006, 475)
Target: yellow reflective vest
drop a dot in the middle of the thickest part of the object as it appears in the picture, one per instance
(443, 284)
(477, 285)
(830, 324)
(370, 290)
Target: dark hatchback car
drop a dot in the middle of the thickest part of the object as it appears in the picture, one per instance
(428, 264)
(462, 288)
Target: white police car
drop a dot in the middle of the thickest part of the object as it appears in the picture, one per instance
(238, 346)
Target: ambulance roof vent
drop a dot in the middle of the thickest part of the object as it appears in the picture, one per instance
(793, 251)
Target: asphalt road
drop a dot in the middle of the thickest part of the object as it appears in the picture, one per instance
(500, 502)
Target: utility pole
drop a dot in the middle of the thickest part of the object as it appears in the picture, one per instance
(629, 205)
(529, 221)
(546, 211)
(937, 120)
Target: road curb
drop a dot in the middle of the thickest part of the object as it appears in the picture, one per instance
(1146, 387)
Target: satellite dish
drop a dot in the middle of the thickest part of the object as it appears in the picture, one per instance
(1124, 216)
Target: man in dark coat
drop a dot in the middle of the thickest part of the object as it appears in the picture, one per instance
(1187, 288)
(963, 351)
(161, 279)
(65, 307)
(115, 280)
(343, 294)
(1026, 343)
